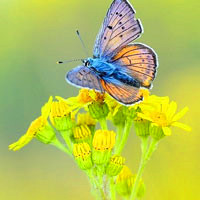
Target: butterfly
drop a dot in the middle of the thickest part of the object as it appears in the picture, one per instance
(118, 67)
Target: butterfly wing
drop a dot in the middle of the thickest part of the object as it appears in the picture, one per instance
(139, 61)
(119, 28)
(84, 77)
(123, 93)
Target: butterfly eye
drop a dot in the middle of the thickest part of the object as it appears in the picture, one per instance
(87, 63)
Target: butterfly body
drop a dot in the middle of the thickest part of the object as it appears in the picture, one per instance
(119, 68)
(110, 72)
(101, 67)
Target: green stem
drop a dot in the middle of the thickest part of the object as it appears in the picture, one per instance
(144, 145)
(94, 184)
(125, 136)
(66, 137)
(103, 123)
(60, 146)
(145, 157)
(112, 189)
(100, 185)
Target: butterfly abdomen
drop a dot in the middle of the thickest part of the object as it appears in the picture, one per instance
(126, 79)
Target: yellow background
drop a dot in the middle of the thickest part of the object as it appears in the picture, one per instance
(34, 34)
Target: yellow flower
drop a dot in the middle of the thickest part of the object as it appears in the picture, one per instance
(125, 181)
(82, 154)
(104, 140)
(82, 133)
(161, 113)
(84, 98)
(103, 143)
(85, 118)
(115, 165)
(61, 115)
(39, 128)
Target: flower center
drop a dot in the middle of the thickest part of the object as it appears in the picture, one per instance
(159, 118)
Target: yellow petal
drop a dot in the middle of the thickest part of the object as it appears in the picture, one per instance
(47, 108)
(180, 114)
(23, 140)
(167, 131)
(182, 126)
(171, 110)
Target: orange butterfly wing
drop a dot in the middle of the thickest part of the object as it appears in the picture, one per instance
(140, 62)
(123, 93)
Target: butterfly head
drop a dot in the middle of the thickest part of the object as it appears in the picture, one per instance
(87, 62)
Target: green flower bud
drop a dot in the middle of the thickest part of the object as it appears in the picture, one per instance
(125, 181)
(46, 135)
(60, 116)
(86, 119)
(115, 165)
(156, 131)
(141, 127)
(141, 189)
(82, 133)
(119, 118)
(129, 112)
(103, 143)
(82, 154)
(98, 110)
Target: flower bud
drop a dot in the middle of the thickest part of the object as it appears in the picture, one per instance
(60, 116)
(82, 154)
(85, 118)
(103, 143)
(129, 112)
(125, 181)
(119, 118)
(115, 165)
(98, 110)
(141, 127)
(82, 134)
(141, 189)
(46, 135)
(156, 131)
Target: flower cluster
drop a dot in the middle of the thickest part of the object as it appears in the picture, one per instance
(97, 151)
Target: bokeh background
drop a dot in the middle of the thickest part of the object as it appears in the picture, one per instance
(34, 34)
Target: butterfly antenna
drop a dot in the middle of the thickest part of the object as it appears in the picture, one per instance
(83, 44)
(68, 61)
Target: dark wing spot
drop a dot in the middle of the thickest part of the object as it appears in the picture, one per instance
(110, 27)
(117, 13)
(120, 15)
(120, 23)
(123, 27)
(104, 38)
(121, 36)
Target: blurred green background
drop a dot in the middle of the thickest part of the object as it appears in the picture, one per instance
(34, 34)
